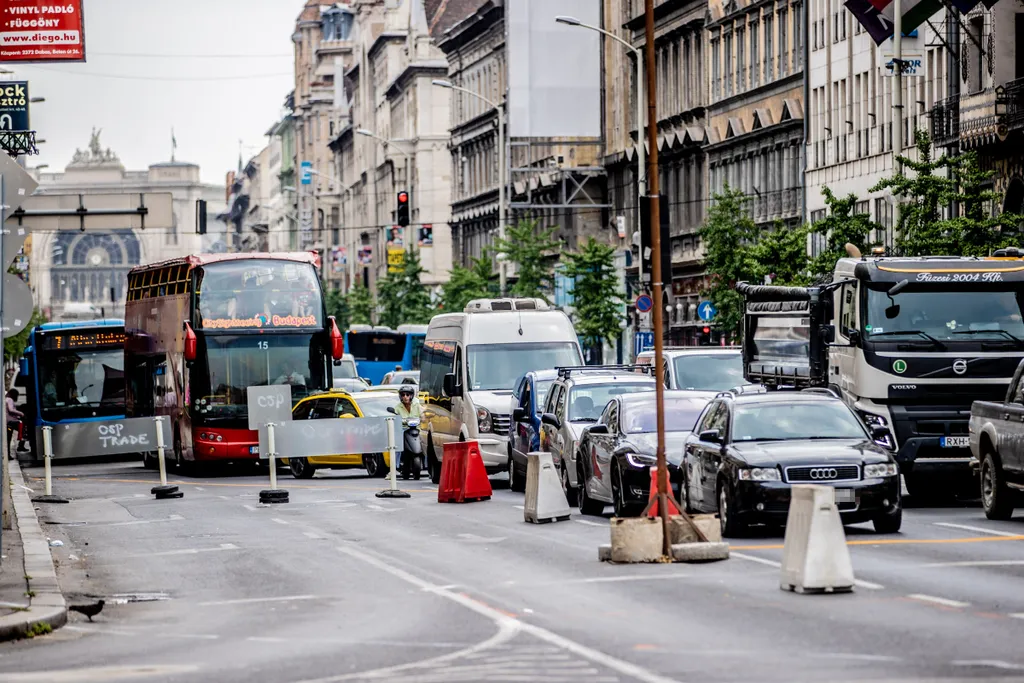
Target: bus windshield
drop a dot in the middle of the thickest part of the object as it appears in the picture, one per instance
(233, 362)
(259, 293)
(81, 383)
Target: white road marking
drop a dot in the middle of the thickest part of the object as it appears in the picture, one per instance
(994, 663)
(311, 534)
(977, 563)
(250, 508)
(193, 551)
(105, 673)
(224, 497)
(278, 520)
(473, 538)
(509, 624)
(198, 488)
(772, 563)
(248, 601)
(172, 518)
(380, 508)
(945, 602)
(979, 529)
(267, 639)
(518, 507)
(1016, 615)
(589, 523)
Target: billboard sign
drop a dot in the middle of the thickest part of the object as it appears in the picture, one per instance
(14, 105)
(546, 102)
(42, 31)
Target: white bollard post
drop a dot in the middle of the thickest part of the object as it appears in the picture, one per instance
(393, 492)
(47, 457)
(163, 490)
(273, 494)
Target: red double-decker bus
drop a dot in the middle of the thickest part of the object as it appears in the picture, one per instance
(201, 329)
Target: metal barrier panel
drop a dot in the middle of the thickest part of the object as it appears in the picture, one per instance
(312, 438)
(107, 437)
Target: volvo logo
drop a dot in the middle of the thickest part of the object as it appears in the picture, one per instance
(820, 473)
(960, 366)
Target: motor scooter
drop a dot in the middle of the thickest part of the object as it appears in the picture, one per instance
(410, 460)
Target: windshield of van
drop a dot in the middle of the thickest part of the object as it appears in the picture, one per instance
(496, 367)
(708, 372)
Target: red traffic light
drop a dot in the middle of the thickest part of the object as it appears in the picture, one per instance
(403, 197)
(707, 330)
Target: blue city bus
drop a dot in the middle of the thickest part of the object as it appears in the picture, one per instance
(72, 372)
(379, 350)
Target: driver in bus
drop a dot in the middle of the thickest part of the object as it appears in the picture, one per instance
(291, 375)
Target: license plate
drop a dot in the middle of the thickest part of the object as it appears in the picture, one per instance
(846, 496)
(955, 442)
(254, 450)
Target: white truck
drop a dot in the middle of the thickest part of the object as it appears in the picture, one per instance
(909, 343)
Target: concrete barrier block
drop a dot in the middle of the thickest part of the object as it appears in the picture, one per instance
(700, 552)
(681, 532)
(636, 539)
(604, 553)
(815, 558)
(545, 501)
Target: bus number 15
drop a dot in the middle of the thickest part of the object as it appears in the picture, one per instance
(263, 345)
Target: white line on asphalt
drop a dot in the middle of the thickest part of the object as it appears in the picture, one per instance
(199, 488)
(945, 602)
(994, 663)
(172, 518)
(279, 521)
(772, 563)
(511, 624)
(102, 673)
(311, 534)
(1016, 615)
(267, 639)
(194, 551)
(246, 601)
(979, 529)
(250, 508)
(589, 523)
(977, 563)
(518, 507)
(224, 497)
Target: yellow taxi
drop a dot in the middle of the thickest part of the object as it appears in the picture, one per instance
(341, 404)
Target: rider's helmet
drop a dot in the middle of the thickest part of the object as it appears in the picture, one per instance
(406, 390)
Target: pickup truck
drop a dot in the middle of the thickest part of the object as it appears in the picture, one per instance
(997, 444)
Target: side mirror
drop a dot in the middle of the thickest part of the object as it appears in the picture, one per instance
(598, 429)
(391, 409)
(519, 415)
(337, 363)
(854, 337)
(828, 334)
(191, 344)
(451, 389)
(337, 340)
(551, 419)
(892, 311)
(711, 436)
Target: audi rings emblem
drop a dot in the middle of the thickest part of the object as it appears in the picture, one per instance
(960, 366)
(820, 473)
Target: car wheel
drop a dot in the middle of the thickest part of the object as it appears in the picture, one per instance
(888, 522)
(567, 488)
(375, 466)
(588, 506)
(995, 494)
(150, 462)
(301, 469)
(622, 508)
(433, 464)
(731, 526)
(515, 482)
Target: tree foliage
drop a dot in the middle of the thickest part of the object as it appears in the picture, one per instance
(780, 255)
(361, 305)
(529, 247)
(15, 345)
(337, 305)
(402, 297)
(842, 225)
(597, 298)
(465, 284)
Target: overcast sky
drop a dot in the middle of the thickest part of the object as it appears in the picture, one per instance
(146, 73)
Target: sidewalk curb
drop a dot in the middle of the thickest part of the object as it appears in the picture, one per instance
(48, 605)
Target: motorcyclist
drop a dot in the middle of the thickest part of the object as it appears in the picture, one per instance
(407, 406)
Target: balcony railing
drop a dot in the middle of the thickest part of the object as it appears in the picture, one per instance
(1013, 95)
(946, 121)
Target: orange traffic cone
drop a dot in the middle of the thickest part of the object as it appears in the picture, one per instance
(652, 505)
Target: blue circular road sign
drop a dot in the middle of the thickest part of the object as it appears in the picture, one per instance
(644, 303)
(706, 311)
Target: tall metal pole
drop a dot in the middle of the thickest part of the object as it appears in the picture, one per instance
(897, 93)
(502, 276)
(641, 183)
(656, 284)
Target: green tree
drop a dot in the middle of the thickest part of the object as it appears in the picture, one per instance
(842, 225)
(597, 298)
(528, 246)
(337, 305)
(403, 298)
(361, 305)
(15, 345)
(727, 235)
(976, 230)
(465, 284)
(780, 253)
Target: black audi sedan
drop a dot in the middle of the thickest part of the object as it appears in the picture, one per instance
(615, 455)
(748, 449)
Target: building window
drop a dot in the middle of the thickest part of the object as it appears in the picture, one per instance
(783, 31)
(716, 69)
(755, 75)
(883, 217)
(817, 242)
(798, 35)
(769, 50)
(727, 43)
(862, 208)
(741, 60)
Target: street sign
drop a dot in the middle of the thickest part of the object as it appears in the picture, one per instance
(14, 105)
(269, 404)
(109, 437)
(307, 173)
(642, 341)
(707, 311)
(644, 303)
(312, 438)
(18, 305)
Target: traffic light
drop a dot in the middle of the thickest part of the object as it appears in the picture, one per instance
(201, 217)
(402, 214)
(666, 239)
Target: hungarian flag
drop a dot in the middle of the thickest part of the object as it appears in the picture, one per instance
(914, 12)
(871, 18)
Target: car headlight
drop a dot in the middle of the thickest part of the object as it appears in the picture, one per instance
(483, 420)
(760, 474)
(885, 469)
(638, 460)
(873, 420)
(413, 422)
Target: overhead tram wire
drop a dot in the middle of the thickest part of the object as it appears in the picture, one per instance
(182, 79)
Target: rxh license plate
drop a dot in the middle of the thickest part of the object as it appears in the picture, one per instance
(955, 442)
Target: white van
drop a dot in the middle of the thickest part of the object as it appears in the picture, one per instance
(700, 368)
(469, 367)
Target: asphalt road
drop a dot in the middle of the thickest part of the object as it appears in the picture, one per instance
(341, 586)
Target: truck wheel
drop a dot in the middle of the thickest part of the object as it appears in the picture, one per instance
(995, 494)
(433, 464)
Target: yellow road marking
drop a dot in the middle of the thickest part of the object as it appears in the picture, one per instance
(895, 541)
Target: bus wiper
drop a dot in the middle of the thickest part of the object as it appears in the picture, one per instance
(919, 333)
(1009, 337)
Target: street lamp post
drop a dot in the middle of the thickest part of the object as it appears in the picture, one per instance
(641, 185)
(502, 279)
(408, 168)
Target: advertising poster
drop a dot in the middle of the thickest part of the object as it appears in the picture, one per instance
(396, 259)
(14, 105)
(396, 236)
(42, 31)
(365, 256)
(339, 258)
(427, 236)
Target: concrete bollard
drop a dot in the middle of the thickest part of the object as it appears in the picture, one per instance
(635, 539)
(545, 500)
(815, 558)
(48, 496)
(273, 495)
(163, 491)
